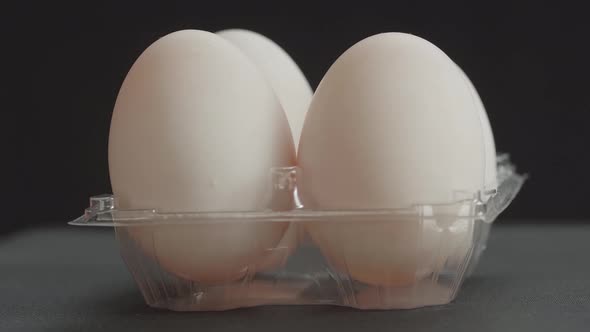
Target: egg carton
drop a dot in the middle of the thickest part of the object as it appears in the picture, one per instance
(421, 255)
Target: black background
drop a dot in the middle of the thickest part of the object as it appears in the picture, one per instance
(529, 62)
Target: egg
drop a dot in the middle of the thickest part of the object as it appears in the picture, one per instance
(392, 125)
(196, 127)
(294, 93)
(491, 177)
(281, 71)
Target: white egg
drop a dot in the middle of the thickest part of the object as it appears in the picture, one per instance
(283, 74)
(392, 124)
(196, 127)
(491, 178)
(294, 93)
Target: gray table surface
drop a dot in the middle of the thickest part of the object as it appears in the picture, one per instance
(531, 278)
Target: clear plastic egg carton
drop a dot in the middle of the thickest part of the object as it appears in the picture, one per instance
(424, 252)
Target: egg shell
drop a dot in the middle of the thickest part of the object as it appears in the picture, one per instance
(210, 253)
(392, 124)
(196, 127)
(491, 177)
(294, 93)
(281, 71)
(396, 253)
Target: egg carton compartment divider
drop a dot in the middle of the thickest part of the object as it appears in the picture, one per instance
(187, 262)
